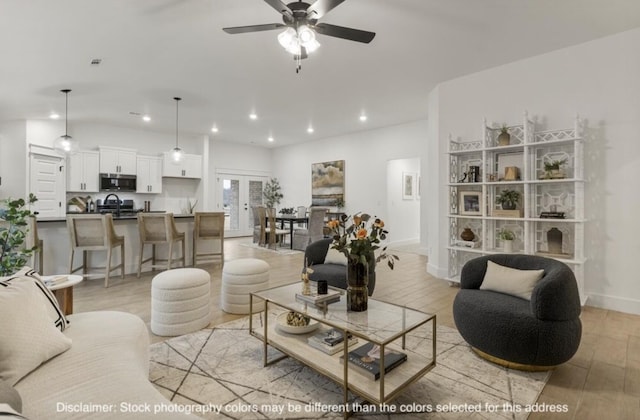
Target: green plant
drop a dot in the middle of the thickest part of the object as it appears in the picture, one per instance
(358, 240)
(506, 235)
(13, 232)
(554, 164)
(508, 198)
(191, 206)
(504, 129)
(339, 203)
(271, 193)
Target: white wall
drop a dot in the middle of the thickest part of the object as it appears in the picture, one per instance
(398, 208)
(600, 80)
(366, 154)
(13, 155)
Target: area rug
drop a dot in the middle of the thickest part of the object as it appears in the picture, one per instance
(281, 250)
(218, 373)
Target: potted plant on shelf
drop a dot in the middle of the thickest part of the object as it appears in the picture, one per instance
(506, 236)
(508, 199)
(504, 138)
(552, 169)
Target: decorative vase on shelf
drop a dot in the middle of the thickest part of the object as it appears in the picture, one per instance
(504, 138)
(554, 241)
(357, 282)
(508, 246)
(467, 235)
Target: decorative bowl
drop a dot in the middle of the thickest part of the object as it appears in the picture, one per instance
(283, 326)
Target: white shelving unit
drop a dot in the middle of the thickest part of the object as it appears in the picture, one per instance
(528, 151)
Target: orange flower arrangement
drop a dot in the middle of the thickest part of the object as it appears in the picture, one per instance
(359, 240)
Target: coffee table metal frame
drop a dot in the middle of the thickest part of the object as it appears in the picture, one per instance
(386, 330)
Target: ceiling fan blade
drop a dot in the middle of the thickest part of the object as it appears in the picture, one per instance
(253, 28)
(321, 7)
(279, 6)
(344, 33)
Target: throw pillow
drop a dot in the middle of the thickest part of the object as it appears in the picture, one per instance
(335, 257)
(28, 336)
(510, 281)
(9, 396)
(30, 276)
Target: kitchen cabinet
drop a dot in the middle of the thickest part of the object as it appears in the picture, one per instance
(149, 174)
(82, 172)
(117, 161)
(190, 167)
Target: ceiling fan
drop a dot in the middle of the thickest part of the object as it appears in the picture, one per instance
(301, 23)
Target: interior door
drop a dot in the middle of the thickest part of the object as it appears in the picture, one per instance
(47, 174)
(238, 194)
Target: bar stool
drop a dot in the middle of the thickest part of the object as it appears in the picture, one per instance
(34, 242)
(209, 227)
(157, 229)
(94, 232)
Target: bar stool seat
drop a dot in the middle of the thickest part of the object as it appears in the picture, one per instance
(158, 229)
(94, 232)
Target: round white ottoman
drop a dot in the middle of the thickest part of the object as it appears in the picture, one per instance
(239, 278)
(180, 301)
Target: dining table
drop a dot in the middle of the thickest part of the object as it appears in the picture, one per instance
(291, 219)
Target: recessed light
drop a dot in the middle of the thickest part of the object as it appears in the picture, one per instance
(214, 129)
(253, 116)
(310, 130)
(270, 139)
(146, 118)
(54, 116)
(363, 117)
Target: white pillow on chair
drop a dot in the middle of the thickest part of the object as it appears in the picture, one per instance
(335, 257)
(510, 281)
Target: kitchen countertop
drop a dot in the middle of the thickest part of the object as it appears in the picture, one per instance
(133, 216)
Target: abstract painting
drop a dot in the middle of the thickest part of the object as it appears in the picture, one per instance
(327, 183)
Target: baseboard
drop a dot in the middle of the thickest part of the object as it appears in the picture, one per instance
(436, 271)
(614, 303)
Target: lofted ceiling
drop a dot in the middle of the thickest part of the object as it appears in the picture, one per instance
(153, 50)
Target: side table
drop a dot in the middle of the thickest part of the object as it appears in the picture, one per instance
(63, 290)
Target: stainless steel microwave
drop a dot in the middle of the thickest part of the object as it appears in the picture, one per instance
(113, 182)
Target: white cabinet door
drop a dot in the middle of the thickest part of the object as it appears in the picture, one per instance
(190, 167)
(127, 162)
(47, 183)
(82, 172)
(117, 161)
(149, 174)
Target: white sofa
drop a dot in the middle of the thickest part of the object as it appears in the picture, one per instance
(105, 374)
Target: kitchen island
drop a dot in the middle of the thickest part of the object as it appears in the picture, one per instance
(57, 246)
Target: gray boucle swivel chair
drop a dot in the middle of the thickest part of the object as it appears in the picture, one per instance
(334, 274)
(514, 332)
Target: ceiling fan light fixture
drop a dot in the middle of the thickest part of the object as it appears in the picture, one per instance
(65, 145)
(286, 37)
(305, 34)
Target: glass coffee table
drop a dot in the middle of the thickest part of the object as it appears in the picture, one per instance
(384, 324)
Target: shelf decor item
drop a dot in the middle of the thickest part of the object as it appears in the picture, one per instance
(470, 203)
(504, 138)
(506, 236)
(552, 169)
(358, 241)
(508, 199)
(554, 240)
(467, 235)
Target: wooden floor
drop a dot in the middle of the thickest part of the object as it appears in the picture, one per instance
(601, 381)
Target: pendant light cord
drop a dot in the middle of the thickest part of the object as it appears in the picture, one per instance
(66, 111)
(177, 102)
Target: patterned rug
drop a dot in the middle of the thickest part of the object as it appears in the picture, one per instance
(218, 373)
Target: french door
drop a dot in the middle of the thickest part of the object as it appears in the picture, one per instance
(237, 195)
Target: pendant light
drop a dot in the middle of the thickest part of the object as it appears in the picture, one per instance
(176, 153)
(65, 145)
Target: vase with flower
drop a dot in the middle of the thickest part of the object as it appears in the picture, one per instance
(358, 237)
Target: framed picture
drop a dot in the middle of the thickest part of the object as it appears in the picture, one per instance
(470, 203)
(327, 183)
(408, 185)
(418, 187)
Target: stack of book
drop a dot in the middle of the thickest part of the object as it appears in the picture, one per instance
(366, 359)
(330, 341)
(331, 296)
(53, 280)
(552, 215)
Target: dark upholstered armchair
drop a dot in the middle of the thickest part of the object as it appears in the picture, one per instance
(334, 274)
(531, 335)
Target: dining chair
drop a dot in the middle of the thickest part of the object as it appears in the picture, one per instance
(273, 234)
(159, 229)
(258, 222)
(314, 231)
(34, 242)
(94, 232)
(302, 212)
(208, 227)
